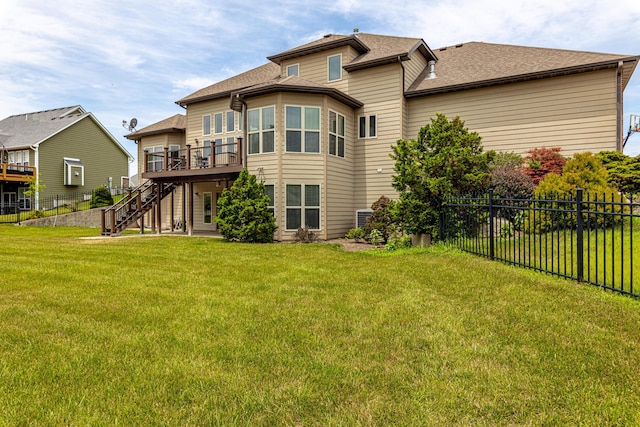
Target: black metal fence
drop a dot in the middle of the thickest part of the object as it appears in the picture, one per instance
(578, 236)
(22, 209)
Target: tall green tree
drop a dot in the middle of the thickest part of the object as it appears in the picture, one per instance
(243, 211)
(445, 159)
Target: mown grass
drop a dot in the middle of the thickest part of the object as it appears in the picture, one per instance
(196, 331)
(611, 256)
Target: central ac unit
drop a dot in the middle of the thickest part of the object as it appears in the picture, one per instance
(361, 216)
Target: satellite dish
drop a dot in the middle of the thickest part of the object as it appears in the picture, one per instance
(131, 125)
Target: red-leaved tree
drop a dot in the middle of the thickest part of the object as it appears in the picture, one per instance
(543, 161)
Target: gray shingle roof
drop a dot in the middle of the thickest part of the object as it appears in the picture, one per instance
(462, 66)
(294, 84)
(477, 64)
(261, 74)
(375, 50)
(24, 130)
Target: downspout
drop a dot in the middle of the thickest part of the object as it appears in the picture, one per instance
(404, 101)
(245, 140)
(619, 108)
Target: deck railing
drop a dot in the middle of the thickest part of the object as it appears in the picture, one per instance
(17, 173)
(133, 206)
(190, 158)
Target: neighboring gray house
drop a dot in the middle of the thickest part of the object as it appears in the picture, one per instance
(66, 149)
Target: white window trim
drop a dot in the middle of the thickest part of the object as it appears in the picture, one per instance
(210, 124)
(302, 206)
(367, 121)
(260, 131)
(303, 129)
(150, 150)
(17, 157)
(329, 66)
(292, 65)
(213, 124)
(226, 122)
(273, 207)
(337, 134)
(204, 195)
(68, 177)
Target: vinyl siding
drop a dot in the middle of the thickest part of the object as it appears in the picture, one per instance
(333, 174)
(381, 90)
(315, 67)
(413, 68)
(195, 112)
(577, 113)
(86, 141)
(339, 205)
(146, 143)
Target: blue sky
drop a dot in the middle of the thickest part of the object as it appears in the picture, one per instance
(123, 59)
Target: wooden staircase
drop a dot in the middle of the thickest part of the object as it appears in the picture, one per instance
(133, 206)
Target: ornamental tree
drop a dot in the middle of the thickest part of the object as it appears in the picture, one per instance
(243, 211)
(445, 159)
(542, 161)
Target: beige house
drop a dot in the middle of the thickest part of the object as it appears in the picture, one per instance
(316, 123)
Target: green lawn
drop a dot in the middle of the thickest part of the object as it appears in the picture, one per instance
(611, 255)
(195, 331)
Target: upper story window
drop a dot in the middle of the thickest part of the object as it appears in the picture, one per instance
(155, 158)
(261, 130)
(18, 157)
(336, 134)
(217, 122)
(302, 134)
(334, 65)
(231, 121)
(368, 126)
(293, 70)
(206, 124)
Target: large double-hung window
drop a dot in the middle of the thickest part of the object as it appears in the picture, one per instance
(334, 68)
(206, 124)
(155, 158)
(302, 206)
(302, 131)
(261, 130)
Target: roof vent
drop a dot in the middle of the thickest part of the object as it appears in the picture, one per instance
(432, 70)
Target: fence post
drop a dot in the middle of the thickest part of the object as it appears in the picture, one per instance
(491, 226)
(579, 235)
